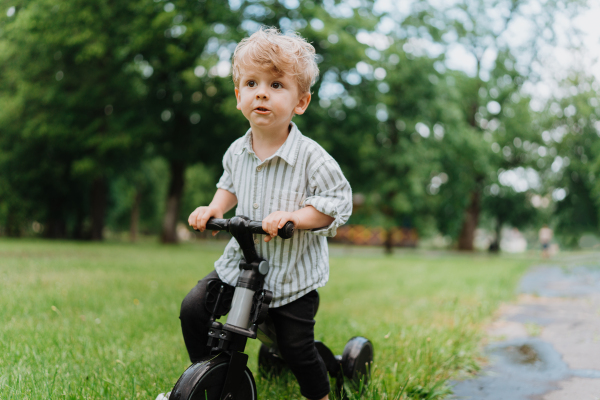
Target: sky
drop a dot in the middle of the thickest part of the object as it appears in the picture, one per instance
(589, 23)
(556, 61)
(561, 60)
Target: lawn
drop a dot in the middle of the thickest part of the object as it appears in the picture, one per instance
(100, 321)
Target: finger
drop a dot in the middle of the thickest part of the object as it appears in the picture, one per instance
(282, 222)
(274, 229)
(192, 217)
(199, 225)
(276, 226)
(214, 233)
(204, 220)
(268, 238)
(195, 221)
(269, 228)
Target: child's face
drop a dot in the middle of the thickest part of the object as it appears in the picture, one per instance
(269, 101)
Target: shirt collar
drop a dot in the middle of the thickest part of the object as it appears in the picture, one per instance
(288, 151)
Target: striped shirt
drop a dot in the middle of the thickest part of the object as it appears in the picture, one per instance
(299, 174)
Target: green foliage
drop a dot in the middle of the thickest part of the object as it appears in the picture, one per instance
(201, 183)
(149, 182)
(489, 145)
(93, 94)
(133, 81)
(510, 207)
(572, 147)
(489, 108)
(175, 45)
(68, 114)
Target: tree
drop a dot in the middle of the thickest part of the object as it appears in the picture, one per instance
(136, 198)
(122, 83)
(68, 114)
(508, 206)
(401, 155)
(184, 49)
(506, 128)
(484, 35)
(572, 149)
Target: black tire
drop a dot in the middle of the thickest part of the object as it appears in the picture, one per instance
(270, 362)
(204, 380)
(357, 359)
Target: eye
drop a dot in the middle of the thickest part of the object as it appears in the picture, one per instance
(251, 83)
(276, 85)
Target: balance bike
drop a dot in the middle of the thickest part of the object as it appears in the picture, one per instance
(224, 375)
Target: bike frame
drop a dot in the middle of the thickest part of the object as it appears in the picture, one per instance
(250, 302)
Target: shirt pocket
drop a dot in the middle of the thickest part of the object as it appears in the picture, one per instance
(286, 200)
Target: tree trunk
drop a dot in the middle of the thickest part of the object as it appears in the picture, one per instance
(470, 222)
(55, 229)
(78, 233)
(56, 225)
(169, 232)
(471, 218)
(135, 216)
(98, 207)
(12, 228)
(495, 245)
(388, 241)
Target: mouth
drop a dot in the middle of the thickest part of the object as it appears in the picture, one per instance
(262, 110)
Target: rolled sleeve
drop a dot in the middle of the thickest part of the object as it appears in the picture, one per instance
(332, 196)
(226, 182)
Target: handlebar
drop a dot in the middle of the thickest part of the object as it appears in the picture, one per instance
(217, 224)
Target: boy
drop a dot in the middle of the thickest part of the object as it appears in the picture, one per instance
(275, 174)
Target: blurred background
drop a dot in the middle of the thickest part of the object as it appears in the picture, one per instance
(460, 124)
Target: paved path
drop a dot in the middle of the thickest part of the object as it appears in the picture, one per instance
(547, 345)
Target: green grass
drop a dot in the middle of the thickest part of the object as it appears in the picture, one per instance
(100, 321)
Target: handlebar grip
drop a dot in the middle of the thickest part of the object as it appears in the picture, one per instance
(218, 224)
(287, 231)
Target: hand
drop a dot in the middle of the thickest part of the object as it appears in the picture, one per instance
(276, 221)
(199, 217)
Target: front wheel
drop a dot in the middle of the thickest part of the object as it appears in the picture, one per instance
(204, 380)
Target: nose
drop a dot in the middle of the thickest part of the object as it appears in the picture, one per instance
(262, 93)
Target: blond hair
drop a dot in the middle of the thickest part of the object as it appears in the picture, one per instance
(269, 49)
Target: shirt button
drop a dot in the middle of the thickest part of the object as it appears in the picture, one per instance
(258, 168)
(255, 205)
(255, 241)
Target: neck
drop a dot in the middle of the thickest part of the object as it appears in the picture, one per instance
(266, 143)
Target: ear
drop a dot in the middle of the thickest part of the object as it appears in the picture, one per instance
(303, 103)
(238, 98)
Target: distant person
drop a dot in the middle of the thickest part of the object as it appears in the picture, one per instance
(545, 236)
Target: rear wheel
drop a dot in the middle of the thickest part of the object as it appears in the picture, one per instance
(204, 380)
(357, 359)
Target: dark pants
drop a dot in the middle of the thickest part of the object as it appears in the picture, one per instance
(294, 325)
